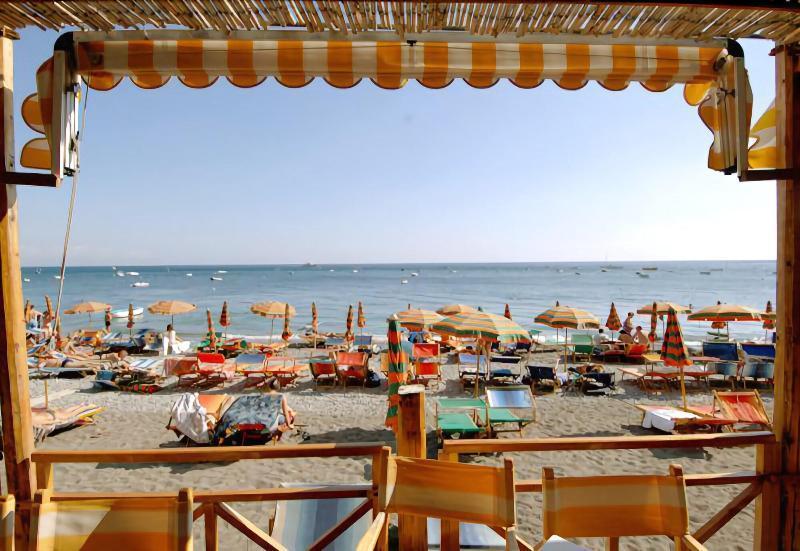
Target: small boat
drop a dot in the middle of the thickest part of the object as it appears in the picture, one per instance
(453, 271)
(26, 279)
(123, 313)
(640, 274)
(188, 275)
(560, 271)
(133, 273)
(650, 268)
(355, 271)
(403, 282)
(215, 278)
(705, 273)
(120, 274)
(140, 284)
(309, 265)
(222, 271)
(331, 270)
(603, 270)
(577, 273)
(57, 277)
(414, 274)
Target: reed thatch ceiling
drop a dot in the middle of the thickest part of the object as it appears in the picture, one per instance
(778, 20)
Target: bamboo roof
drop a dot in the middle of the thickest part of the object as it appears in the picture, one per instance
(778, 20)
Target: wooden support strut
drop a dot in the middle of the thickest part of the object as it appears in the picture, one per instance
(15, 409)
(411, 442)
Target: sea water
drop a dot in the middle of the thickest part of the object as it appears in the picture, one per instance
(529, 288)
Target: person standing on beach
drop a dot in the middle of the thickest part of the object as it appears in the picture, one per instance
(627, 326)
(170, 338)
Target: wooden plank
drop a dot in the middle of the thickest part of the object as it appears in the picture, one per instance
(335, 531)
(412, 442)
(704, 479)
(246, 527)
(15, 409)
(210, 527)
(35, 179)
(730, 510)
(203, 455)
(569, 443)
(374, 536)
(44, 476)
(236, 496)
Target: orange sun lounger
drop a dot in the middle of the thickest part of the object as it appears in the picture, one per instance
(745, 409)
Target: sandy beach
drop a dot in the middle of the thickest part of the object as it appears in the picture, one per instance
(134, 421)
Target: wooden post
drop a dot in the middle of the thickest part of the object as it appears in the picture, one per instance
(411, 442)
(451, 529)
(778, 508)
(15, 407)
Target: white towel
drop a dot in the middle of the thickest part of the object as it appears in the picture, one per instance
(189, 417)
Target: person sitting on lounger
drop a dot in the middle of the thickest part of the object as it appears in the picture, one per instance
(599, 340)
(285, 420)
(640, 338)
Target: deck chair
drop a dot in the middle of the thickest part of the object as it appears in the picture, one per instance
(207, 371)
(364, 343)
(762, 351)
(726, 351)
(7, 505)
(583, 346)
(335, 343)
(445, 490)
(745, 407)
(129, 523)
(460, 418)
(617, 506)
(426, 371)
(352, 365)
(510, 405)
(252, 367)
(215, 406)
(299, 523)
(469, 373)
(504, 368)
(543, 374)
(323, 371)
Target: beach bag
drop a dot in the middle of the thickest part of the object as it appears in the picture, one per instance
(373, 380)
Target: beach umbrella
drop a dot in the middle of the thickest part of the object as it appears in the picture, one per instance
(212, 334)
(673, 350)
(651, 336)
(450, 309)
(398, 364)
(171, 308)
(507, 312)
(361, 320)
(107, 319)
(415, 319)
(87, 308)
(130, 318)
(662, 308)
(272, 310)
(348, 330)
(483, 327)
(224, 320)
(566, 317)
(613, 322)
(769, 319)
(287, 331)
(314, 318)
(26, 310)
(725, 313)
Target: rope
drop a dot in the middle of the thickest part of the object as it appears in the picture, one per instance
(57, 323)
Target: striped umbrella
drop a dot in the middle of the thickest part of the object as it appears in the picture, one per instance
(482, 326)
(212, 334)
(348, 330)
(287, 331)
(725, 313)
(565, 317)
(507, 313)
(272, 310)
(450, 309)
(314, 318)
(224, 319)
(651, 336)
(415, 319)
(107, 318)
(361, 321)
(398, 364)
(673, 350)
(613, 322)
(769, 317)
(662, 308)
(130, 323)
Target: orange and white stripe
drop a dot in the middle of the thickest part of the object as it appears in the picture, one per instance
(245, 63)
(764, 150)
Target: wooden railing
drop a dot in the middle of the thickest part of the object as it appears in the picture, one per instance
(453, 449)
(212, 505)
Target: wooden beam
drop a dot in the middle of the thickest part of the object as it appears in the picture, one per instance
(210, 527)
(246, 527)
(705, 479)
(570, 443)
(730, 510)
(15, 407)
(35, 179)
(412, 442)
(777, 512)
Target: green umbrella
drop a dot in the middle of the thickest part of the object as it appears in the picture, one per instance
(398, 361)
(673, 350)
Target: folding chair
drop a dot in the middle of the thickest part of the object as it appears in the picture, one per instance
(351, 365)
(617, 506)
(510, 405)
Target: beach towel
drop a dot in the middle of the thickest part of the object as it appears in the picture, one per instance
(49, 420)
(664, 419)
(249, 416)
(189, 417)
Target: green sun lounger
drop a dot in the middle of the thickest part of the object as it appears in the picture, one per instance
(460, 420)
(455, 423)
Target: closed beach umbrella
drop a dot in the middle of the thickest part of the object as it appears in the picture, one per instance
(314, 318)
(272, 310)
(769, 318)
(171, 308)
(398, 363)
(287, 331)
(507, 312)
(450, 309)
(613, 322)
(130, 319)
(415, 319)
(651, 336)
(673, 349)
(725, 313)
(483, 327)
(212, 334)
(566, 317)
(348, 330)
(361, 320)
(224, 320)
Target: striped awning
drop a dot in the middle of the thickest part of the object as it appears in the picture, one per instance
(763, 151)
(198, 63)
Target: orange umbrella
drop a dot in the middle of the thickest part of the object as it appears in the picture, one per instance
(314, 319)
(348, 332)
(507, 313)
(653, 323)
(212, 335)
(224, 320)
(272, 309)
(171, 308)
(287, 332)
(673, 350)
(769, 319)
(361, 320)
(613, 322)
(452, 309)
(130, 318)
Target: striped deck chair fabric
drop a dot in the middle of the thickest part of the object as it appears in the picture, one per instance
(616, 506)
(451, 491)
(124, 524)
(7, 522)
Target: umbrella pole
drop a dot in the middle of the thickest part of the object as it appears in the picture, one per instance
(683, 388)
(477, 373)
(271, 330)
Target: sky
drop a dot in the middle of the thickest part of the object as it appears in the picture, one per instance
(277, 175)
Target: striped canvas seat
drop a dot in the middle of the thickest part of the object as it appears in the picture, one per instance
(616, 506)
(449, 491)
(7, 523)
(123, 524)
